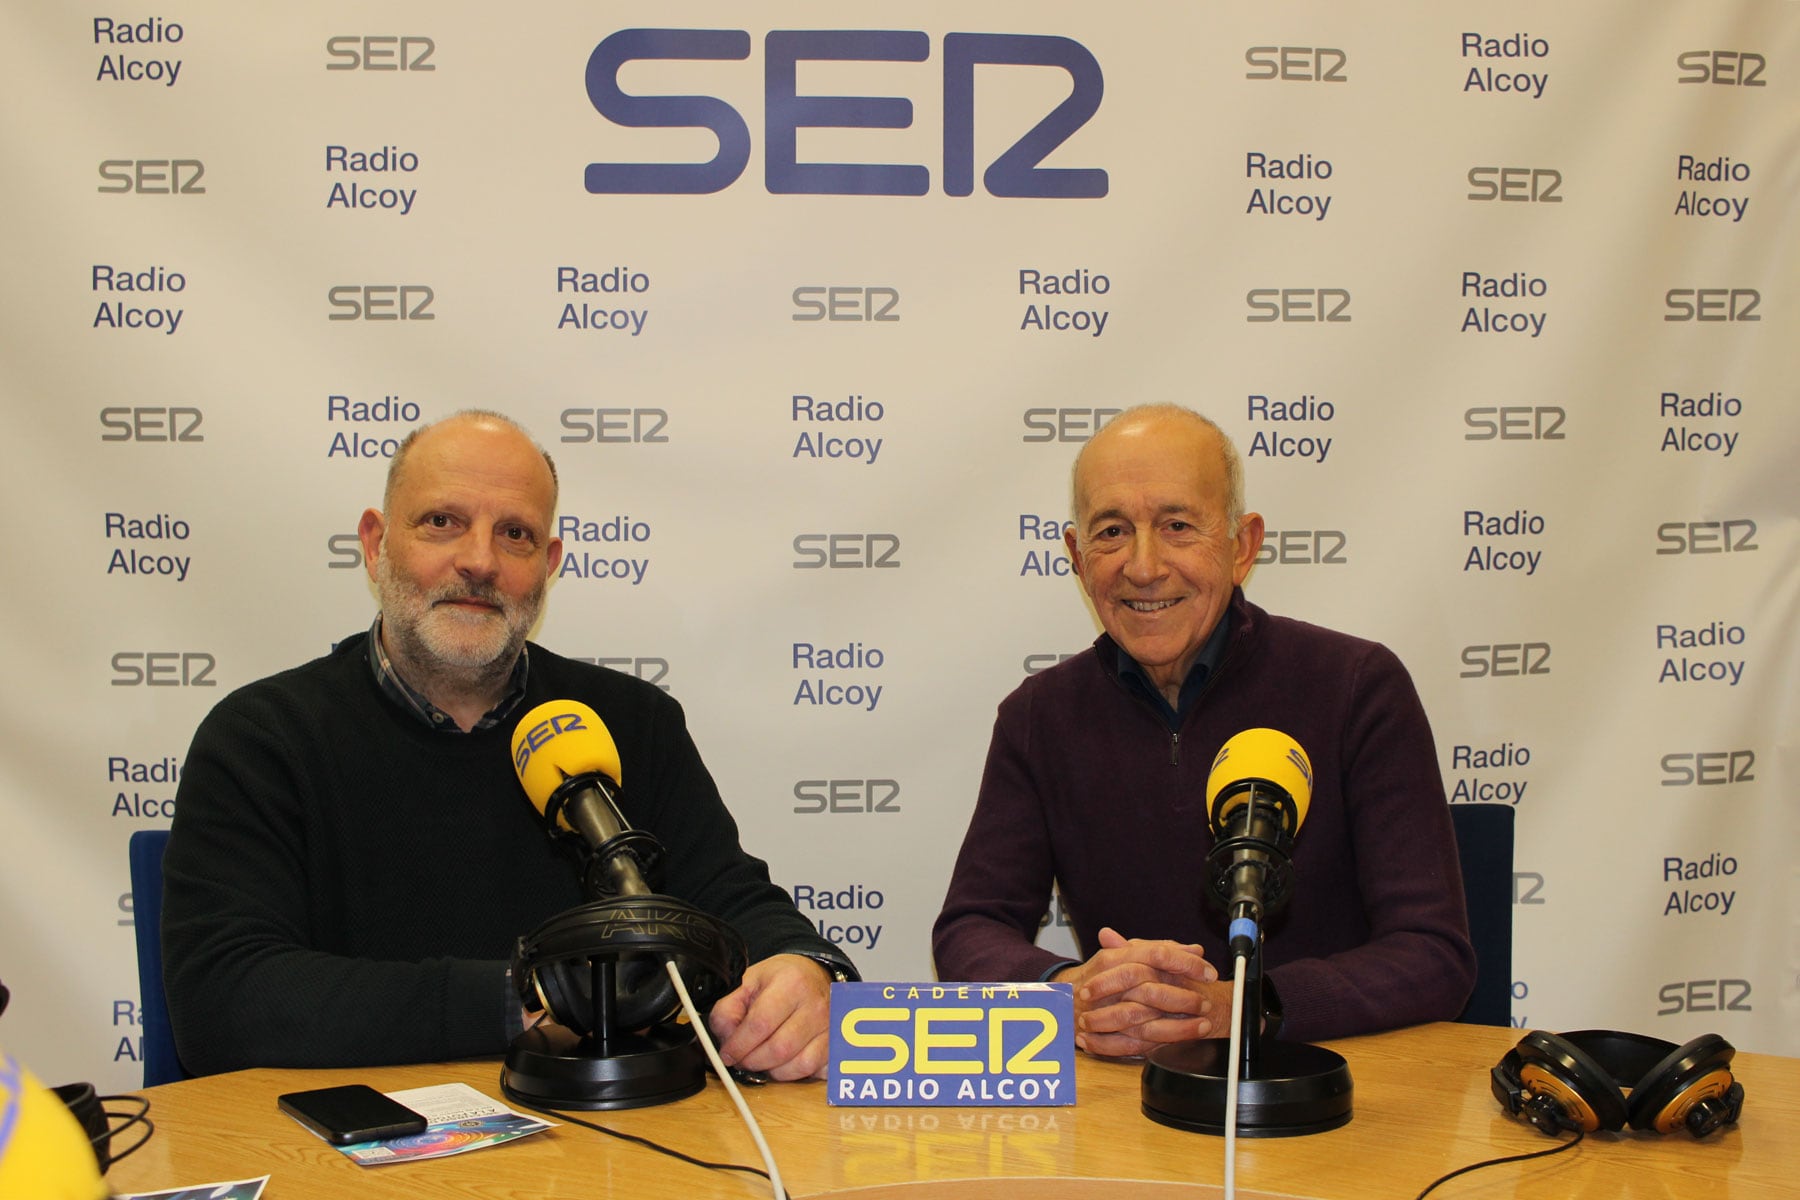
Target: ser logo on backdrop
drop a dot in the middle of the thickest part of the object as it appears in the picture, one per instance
(1712, 304)
(1516, 185)
(1016, 172)
(837, 796)
(1500, 660)
(381, 302)
(345, 551)
(1516, 423)
(1730, 68)
(1305, 306)
(846, 551)
(649, 668)
(615, 426)
(1732, 536)
(1708, 768)
(163, 668)
(1703, 995)
(1528, 887)
(1297, 64)
(379, 52)
(846, 302)
(153, 176)
(1064, 424)
(151, 424)
(1302, 548)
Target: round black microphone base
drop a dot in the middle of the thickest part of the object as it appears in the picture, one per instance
(549, 1067)
(1292, 1088)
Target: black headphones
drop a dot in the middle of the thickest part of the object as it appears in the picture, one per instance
(1578, 1081)
(623, 942)
(97, 1121)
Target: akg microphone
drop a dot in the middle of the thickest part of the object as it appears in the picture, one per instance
(1256, 798)
(569, 767)
(599, 966)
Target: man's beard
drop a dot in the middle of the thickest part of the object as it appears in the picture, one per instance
(429, 636)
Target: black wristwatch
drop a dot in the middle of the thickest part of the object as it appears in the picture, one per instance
(838, 971)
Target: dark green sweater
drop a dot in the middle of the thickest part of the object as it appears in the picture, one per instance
(344, 886)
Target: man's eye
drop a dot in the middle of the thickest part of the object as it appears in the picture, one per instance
(438, 521)
(517, 533)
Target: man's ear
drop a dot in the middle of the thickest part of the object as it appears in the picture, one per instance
(369, 531)
(1249, 541)
(1070, 544)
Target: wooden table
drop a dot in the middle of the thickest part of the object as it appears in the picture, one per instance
(1422, 1108)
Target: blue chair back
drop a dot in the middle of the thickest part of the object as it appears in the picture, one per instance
(161, 1063)
(1484, 843)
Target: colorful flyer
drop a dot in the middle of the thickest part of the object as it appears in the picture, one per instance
(239, 1189)
(459, 1119)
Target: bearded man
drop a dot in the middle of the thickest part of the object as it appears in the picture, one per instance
(352, 857)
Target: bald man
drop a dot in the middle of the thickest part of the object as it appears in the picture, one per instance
(1096, 782)
(352, 858)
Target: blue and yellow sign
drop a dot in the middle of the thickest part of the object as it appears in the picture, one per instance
(952, 1044)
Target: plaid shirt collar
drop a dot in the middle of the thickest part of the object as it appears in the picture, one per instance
(414, 701)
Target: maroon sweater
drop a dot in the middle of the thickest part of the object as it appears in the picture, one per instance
(1087, 786)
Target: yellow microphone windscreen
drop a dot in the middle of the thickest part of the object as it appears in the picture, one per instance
(559, 739)
(1266, 754)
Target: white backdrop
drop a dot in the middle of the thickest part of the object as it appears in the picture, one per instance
(1521, 277)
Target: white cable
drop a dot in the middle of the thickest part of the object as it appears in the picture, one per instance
(1231, 1077)
(731, 1088)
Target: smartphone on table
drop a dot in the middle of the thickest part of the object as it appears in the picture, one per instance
(351, 1113)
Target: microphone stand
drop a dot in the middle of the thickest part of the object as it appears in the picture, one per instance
(614, 1065)
(1284, 1088)
(550, 1066)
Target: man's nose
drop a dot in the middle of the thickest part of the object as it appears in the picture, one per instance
(476, 557)
(1144, 565)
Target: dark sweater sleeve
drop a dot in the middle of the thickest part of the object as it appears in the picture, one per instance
(244, 987)
(1417, 964)
(1000, 886)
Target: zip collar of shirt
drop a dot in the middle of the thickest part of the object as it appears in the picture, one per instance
(1138, 680)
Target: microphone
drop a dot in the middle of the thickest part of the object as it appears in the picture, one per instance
(1256, 798)
(599, 970)
(568, 765)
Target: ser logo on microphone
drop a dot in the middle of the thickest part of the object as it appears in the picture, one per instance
(539, 735)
